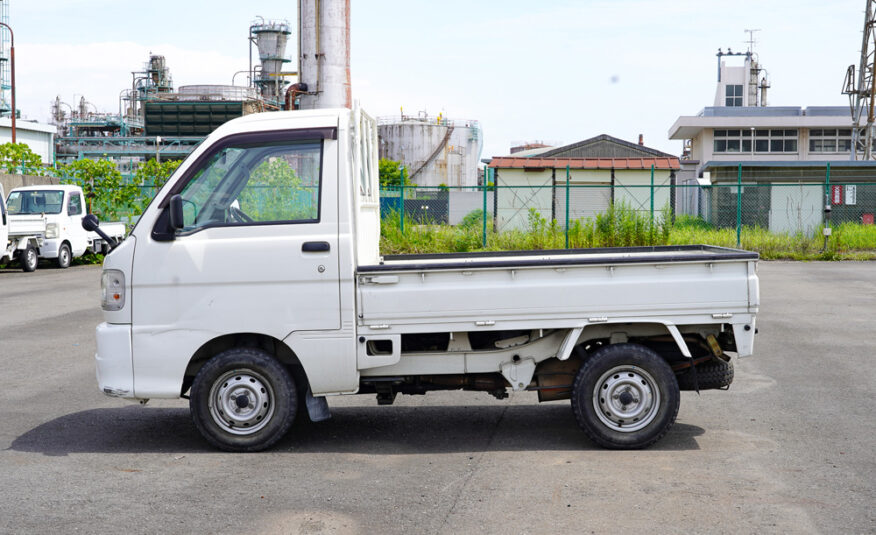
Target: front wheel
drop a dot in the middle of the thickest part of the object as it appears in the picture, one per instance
(29, 259)
(625, 396)
(243, 400)
(64, 256)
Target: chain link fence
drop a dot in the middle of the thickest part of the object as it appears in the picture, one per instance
(787, 203)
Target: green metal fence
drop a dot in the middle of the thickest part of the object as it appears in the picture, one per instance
(783, 205)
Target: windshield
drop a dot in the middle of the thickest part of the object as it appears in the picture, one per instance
(35, 202)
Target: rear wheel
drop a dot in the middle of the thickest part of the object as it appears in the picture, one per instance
(64, 256)
(243, 400)
(28, 259)
(625, 396)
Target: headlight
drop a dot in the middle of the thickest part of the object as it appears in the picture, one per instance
(112, 289)
(52, 230)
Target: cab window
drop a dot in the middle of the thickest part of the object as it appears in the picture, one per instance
(74, 205)
(255, 184)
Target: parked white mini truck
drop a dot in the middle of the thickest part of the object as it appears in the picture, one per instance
(62, 208)
(253, 286)
(20, 238)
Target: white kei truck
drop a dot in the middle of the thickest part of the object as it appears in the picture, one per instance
(61, 209)
(20, 238)
(253, 287)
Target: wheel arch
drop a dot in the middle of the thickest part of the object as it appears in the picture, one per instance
(273, 346)
(621, 332)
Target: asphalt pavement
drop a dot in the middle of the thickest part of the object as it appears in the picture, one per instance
(790, 448)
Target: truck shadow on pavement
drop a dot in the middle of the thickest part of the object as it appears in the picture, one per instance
(362, 430)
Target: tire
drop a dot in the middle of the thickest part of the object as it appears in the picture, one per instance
(261, 382)
(64, 256)
(625, 396)
(710, 376)
(29, 259)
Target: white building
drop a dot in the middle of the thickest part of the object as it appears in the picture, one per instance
(39, 137)
(601, 171)
(785, 150)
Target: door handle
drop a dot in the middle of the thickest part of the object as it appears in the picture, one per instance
(315, 247)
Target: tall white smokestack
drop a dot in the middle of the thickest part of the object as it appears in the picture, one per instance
(324, 54)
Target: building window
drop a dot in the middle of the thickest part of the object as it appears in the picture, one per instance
(830, 140)
(762, 141)
(733, 95)
(775, 140)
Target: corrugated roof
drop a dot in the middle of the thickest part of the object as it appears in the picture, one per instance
(509, 162)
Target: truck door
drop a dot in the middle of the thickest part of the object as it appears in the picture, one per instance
(74, 214)
(258, 252)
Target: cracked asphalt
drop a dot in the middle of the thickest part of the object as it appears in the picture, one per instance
(789, 448)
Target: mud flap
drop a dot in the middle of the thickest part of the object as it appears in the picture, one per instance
(317, 407)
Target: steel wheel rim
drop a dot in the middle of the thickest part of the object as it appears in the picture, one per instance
(626, 398)
(65, 256)
(241, 402)
(30, 258)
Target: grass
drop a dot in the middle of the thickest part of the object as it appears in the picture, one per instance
(621, 226)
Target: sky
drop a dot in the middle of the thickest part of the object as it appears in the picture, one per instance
(552, 71)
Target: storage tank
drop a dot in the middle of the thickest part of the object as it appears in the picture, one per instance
(434, 150)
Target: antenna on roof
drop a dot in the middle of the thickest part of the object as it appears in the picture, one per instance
(751, 40)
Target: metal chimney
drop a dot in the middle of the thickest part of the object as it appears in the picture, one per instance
(324, 53)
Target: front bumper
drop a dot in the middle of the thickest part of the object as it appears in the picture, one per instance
(114, 360)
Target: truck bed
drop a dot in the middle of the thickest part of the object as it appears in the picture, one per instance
(549, 289)
(557, 257)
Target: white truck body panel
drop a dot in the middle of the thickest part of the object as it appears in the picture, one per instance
(27, 225)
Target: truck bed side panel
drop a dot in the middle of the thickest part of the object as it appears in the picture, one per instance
(547, 294)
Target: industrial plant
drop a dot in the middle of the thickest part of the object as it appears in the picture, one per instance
(157, 120)
(288, 69)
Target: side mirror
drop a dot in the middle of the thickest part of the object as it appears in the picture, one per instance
(90, 222)
(176, 212)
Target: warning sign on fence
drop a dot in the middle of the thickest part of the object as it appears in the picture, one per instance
(851, 194)
(836, 195)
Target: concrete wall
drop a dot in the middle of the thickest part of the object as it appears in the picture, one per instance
(590, 193)
(464, 202)
(633, 187)
(16, 181)
(519, 191)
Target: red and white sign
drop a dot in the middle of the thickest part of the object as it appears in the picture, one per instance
(836, 195)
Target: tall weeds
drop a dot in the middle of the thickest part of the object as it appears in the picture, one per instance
(621, 226)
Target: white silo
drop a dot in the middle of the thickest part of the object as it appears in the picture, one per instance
(434, 150)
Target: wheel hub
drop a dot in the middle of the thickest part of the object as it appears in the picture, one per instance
(626, 399)
(241, 402)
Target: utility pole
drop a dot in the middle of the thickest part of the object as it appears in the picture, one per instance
(12, 68)
(861, 89)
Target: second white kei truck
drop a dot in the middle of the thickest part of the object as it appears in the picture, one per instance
(60, 210)
(253, 286)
